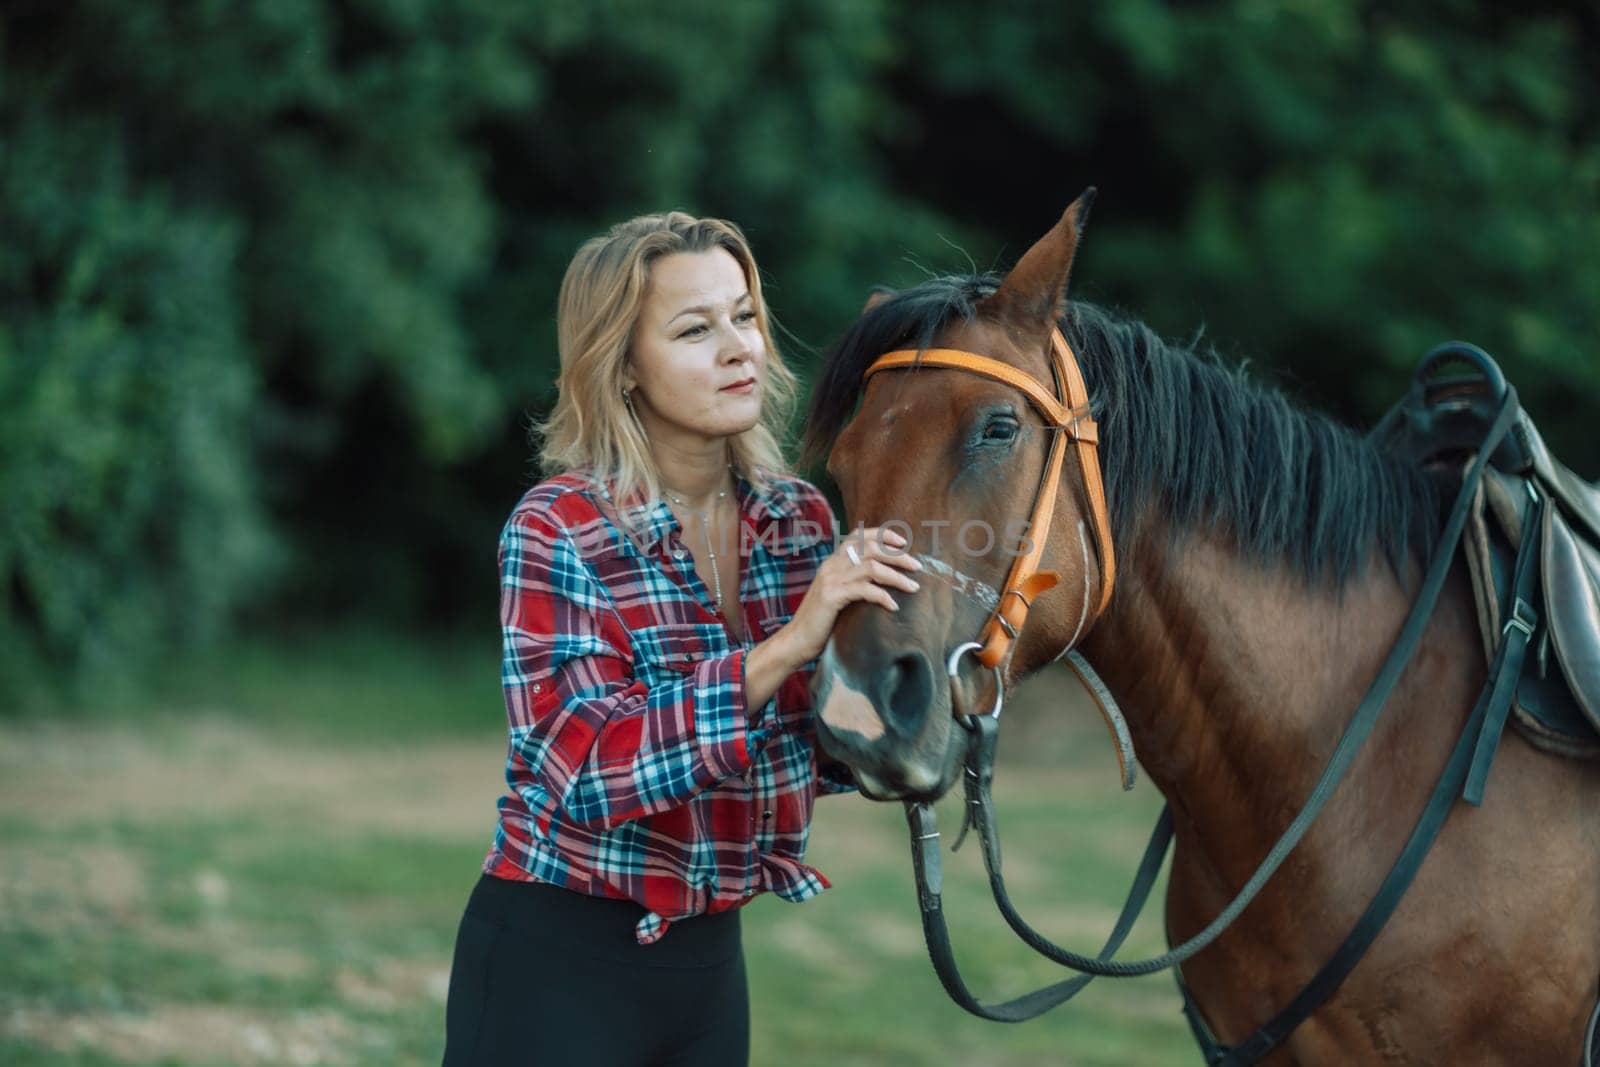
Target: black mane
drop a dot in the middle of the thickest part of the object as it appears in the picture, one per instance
(1216, 449)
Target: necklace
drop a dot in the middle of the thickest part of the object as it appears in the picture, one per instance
(705, 527)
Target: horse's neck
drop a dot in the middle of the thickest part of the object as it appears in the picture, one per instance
(1236, 680)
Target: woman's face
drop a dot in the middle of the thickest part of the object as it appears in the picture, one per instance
(698, 361)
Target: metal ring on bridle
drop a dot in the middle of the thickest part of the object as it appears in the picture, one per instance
(951, 666)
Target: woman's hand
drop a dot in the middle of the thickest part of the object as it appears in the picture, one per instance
(867, 564)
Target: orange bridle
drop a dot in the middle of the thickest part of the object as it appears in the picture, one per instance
(1069, 417)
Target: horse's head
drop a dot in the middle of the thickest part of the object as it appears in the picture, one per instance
(956, 458)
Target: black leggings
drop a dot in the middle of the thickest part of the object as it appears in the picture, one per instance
(543, 975)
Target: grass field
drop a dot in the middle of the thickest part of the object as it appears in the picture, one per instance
(266, 866)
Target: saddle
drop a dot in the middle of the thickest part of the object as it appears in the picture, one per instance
(1439, 424)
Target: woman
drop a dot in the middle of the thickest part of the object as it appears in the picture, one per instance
(663, 598)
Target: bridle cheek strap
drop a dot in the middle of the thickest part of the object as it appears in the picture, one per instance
(1089, 464)
(1069, 418)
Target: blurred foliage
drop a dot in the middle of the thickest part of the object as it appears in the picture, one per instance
(130, 521)
(279, 275)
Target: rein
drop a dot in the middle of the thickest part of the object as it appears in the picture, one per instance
(1464, 775)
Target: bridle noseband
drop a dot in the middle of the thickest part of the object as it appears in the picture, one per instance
(1068, 416)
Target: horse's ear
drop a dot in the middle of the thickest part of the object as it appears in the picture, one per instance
(1036, 289)
(878, 295)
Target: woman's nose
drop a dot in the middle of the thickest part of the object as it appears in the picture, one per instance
(738, 348)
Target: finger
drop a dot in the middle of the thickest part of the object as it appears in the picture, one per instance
(865, 536)
(894, 556)
(883, 574)
(879, 595)
(867, 589)
(885, 535)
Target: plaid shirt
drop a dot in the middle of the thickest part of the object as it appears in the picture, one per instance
(636, 768)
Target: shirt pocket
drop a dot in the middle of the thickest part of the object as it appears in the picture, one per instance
(669, 652)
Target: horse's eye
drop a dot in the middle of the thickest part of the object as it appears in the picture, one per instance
(999, 431)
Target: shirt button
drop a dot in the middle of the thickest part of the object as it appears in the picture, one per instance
(749, 892)
(537, 687)
(679, 553)
(766, 814)
(688, 657)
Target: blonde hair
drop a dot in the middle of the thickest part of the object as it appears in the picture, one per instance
(601, 297)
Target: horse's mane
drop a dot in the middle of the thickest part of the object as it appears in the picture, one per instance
(1200, 440)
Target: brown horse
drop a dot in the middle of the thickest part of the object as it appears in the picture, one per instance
(1265, 560)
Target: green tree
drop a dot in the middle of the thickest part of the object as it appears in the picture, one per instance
(1331, 188)
(279, 275)
(130, 521)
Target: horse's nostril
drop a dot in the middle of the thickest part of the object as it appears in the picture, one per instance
(907, 690)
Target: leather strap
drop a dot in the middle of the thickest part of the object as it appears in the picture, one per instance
(1050, 407)
(1069, 417)
(927, 864)
(1101, 698)
(1089, 462)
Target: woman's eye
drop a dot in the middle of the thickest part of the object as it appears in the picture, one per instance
(747, 316)
(693, 331)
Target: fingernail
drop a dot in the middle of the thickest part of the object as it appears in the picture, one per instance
(915, 585)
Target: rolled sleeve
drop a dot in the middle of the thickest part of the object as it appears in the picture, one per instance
(727, 737)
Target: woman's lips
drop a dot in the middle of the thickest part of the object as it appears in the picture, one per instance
(741, 387)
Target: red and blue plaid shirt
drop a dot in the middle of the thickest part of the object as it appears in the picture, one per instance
(636, 768)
